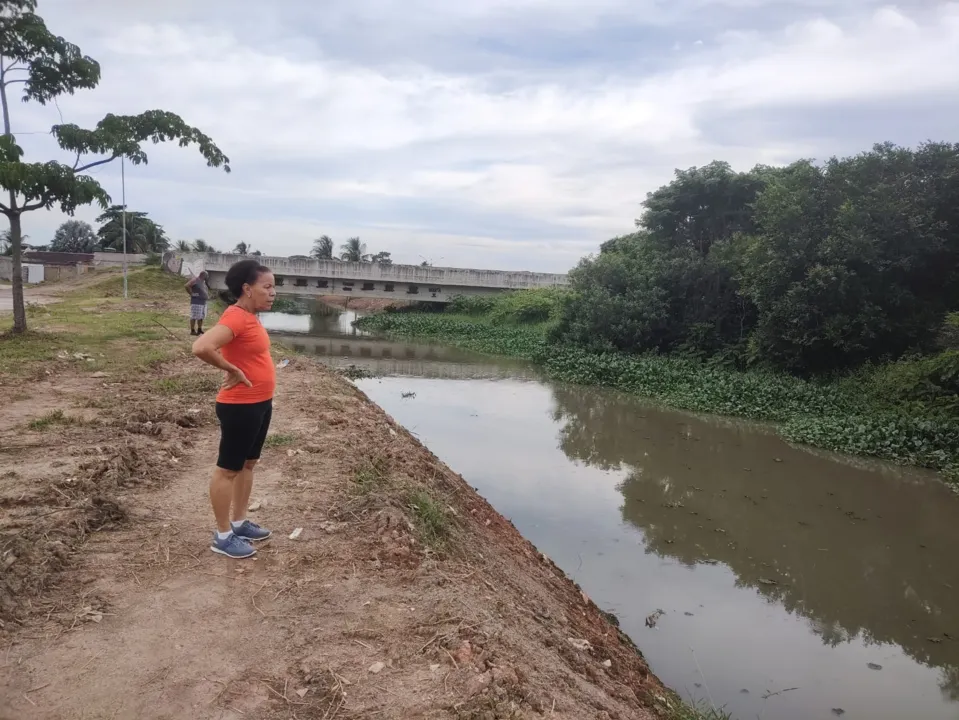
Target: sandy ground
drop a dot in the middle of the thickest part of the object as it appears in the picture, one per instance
(112, 606)
(6, 298)
(51, 292)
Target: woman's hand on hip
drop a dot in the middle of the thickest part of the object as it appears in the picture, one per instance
(235, 377)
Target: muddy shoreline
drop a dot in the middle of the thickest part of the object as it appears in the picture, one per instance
(406, 595)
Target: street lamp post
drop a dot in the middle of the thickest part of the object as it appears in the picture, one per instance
(123, 221)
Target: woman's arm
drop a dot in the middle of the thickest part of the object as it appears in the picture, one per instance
(207, 348)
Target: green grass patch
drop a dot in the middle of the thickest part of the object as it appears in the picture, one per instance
(430, 519)
(188, 384)
(97, 331)
(142, 284)
(696, 711)
(276, 440)
(52, 419)
(370, 476)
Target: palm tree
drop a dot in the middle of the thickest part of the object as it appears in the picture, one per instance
(322, 248)
(353, 251)
(6, 247)
(202, 246)
(143, 235)
(183, 246)
(241, 249)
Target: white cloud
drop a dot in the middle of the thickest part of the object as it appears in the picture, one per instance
(529, 162)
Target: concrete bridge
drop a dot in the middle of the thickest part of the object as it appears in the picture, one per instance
(396, 282)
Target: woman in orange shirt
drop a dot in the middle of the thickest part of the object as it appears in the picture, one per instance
(240, 346)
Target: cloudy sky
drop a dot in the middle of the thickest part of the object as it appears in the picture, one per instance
(515, 134)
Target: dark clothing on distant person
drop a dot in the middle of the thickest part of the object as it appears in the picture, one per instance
(199, 295)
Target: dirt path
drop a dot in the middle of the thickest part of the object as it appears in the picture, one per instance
(6, 298)
(405, 596)
(52, 292)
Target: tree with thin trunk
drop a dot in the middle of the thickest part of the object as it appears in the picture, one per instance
(47, 66)
(183, 246)
(353, 251)
(322, 248)
(241, 249)
(202, 246)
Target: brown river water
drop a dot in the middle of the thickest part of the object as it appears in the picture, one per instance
(793, 584)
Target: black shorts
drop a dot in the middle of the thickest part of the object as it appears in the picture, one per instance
(243, 429)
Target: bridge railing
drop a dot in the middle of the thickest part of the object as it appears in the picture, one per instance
(466, 277)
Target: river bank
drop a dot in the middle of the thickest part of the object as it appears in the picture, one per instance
(405, 594)
(853, 415)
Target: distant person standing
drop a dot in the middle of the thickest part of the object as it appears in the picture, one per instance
(239, 346)
(199, 296)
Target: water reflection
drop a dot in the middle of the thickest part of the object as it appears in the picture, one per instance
(777, 568)
(858, 553)
(328, 334)
(321, 321)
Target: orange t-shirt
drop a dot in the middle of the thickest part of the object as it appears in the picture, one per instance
(249, 350)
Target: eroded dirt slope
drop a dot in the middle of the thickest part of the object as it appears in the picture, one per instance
(405, 596)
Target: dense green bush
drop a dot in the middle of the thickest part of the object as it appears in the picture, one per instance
(479, 335)
(808, 268)
(949, 334)
(472, 304)
(522, 306)
(930, 383)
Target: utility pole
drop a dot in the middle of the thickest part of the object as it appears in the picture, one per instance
(123, 221)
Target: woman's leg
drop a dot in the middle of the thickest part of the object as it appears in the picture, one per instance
(243, 485)
(222, 487)
(240, 492)
(239, 428)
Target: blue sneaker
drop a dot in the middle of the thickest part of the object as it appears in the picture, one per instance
(232, 546)
(249, 530)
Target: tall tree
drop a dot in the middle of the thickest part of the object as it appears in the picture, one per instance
(183, 246)
(143, 235)
(702, 206)
(48, 66)
(202, 246)
(74, 236)
(382, 258)
(241, 249)
(353, 250)
(322, 248)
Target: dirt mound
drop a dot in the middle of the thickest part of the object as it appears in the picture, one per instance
(52, 507)
(390, 588)
(40, 535)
